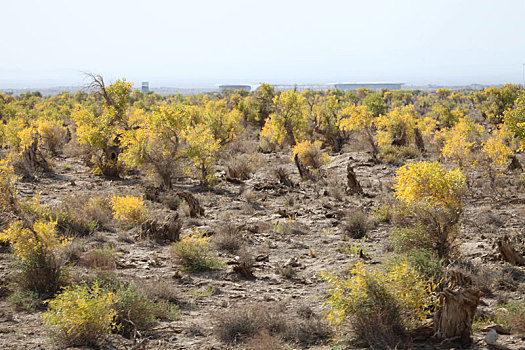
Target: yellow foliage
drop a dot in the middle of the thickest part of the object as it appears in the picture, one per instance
(129, 210)
(459, 141)
(52, 133)
(224, 123)
(11, 131)
(288, 123)
(412, 293)
(311, 154)
(193, 251)
(356, 118)
(26, 136)
(494, 157)
(7, 185)
(396, 124)
(429, 183)
(81, 315)
(202, 148)
(28, 243)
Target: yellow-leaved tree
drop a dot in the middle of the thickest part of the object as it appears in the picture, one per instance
(360, 119)
(396, 128)
(201, 148)
(155, 143)
(287, 124)
(434, 195)
(100, 125)
(459, 142)
(494, 158)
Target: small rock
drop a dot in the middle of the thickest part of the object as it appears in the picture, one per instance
(497, 327)
(491, 338)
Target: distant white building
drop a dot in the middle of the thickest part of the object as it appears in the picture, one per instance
(145, 87)
(246, 87)
(372, 86)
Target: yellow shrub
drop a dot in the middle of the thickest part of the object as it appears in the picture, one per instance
(311, 154)
(26, 136)
(11, 130)
(430, 183)
(202, 149)
(7, 184)
(30, 243)
(397, 124)
(349, 294)
(288, 123)
(52, 132)
(494, 157)
(193, 252)
(81, 315)
(459, 142)
(129, 210)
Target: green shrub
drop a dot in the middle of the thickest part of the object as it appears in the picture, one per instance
(137, 312)
(426, 228)
(380, 303)
(512, 316)
(384, 213)
(24, 300)
(357, 224)
(404, 239)
(81, 315)
(82, 215)
(425, 262)
(193, 253)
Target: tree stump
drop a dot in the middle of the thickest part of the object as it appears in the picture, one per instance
(458, 304)
(400, 139)
(352, 185)
(508, 253)
(33, 161)
(303, 170)
(165, 230)
(418, 139)
(195, 209)
(283, 178)
(515, 164)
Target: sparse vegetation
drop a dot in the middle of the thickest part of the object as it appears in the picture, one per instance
(253, 192)
(193, 254)
(129, 210)
(81, 315)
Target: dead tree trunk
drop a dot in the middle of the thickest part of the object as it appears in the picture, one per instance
(508, 253)
(283, 178)
(400, 139)
(33, 161)
(418, 138)
(353, 186)
(458, 304)
(195, 209)
(515, 164)
(161, 231)
(303, 170)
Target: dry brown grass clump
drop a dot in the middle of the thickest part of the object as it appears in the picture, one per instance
(228, 238)
(235, 326)
(269, 325)
(357, 224)
(81, 215)
(103, 258)
(265, 341)
(242, 166)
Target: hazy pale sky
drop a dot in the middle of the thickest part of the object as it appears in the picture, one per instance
(205, 42)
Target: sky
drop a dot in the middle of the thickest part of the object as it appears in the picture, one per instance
(201, 43)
